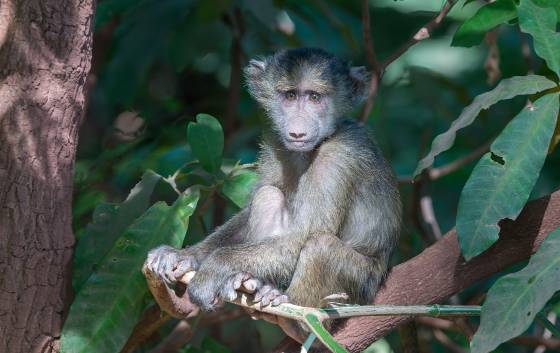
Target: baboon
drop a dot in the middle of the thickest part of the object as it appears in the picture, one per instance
(325, 214)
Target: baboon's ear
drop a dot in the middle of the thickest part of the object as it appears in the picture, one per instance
(255, 67)
(360, 80)
(254, 77)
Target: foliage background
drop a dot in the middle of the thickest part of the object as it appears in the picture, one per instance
(157, 64)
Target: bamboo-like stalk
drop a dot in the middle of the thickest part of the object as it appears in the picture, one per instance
(314, 317)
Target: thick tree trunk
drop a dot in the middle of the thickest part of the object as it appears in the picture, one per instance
(45, 54)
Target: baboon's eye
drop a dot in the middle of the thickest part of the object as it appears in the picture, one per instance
(315, 97)
(290, 95)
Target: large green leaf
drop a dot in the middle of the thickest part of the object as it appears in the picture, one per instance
(109, 221)
(472, 31)
(554, 4)
(111, 301)
(206, 138)
(515, 299)
(239, 187)
(501, 182)
(506, 89)
(540, 23)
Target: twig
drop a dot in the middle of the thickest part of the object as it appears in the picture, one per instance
(463, 326)
(378, 69)
(530, 341)
(183, 331)
(149, 323)
(543, 320)
(448, 325)
(368, 41)
(428, 213)
(179, 336)
(444, 170)
(417, 193)
(492, 64)
(436, 322)
(546, 332)
(423, 33)
(436, 173)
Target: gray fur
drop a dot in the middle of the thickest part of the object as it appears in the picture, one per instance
(333, 213)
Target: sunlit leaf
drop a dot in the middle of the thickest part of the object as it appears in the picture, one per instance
(109, 221)
(501, 182)
(239, 187)
(472, 31)
(540, 23)
(206, 138)
(515, 299)
(506, 89)
(111, 301)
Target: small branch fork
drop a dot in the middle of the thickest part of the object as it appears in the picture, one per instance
(378, 68)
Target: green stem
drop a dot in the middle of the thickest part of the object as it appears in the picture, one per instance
(543, 320)
(412, 310)
(316, 326)
(306, 346)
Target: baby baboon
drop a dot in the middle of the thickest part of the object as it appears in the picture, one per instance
(325, 215)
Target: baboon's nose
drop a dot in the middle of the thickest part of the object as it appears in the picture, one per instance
(296, 135)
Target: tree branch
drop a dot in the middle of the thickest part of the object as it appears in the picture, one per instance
(377, 68)
(368, 41)
(436, 173)
(423, 33)
(440, 271)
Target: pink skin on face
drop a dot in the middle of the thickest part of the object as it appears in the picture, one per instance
(304, 111)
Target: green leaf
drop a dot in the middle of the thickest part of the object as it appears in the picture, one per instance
(472, 31)
(515, 299)
(501, 182)
(540, 23)
(239, 187)
(206, 138)
(315, 325)
(109, 221)
(506, 89)
(111, 301)
(554, 4)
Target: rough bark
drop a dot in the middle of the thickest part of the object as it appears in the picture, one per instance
(45, 54)
(440, 271)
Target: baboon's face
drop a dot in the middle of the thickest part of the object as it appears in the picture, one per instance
(305, 91)
(303, 115)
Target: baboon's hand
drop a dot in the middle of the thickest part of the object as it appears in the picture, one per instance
(170, 264)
